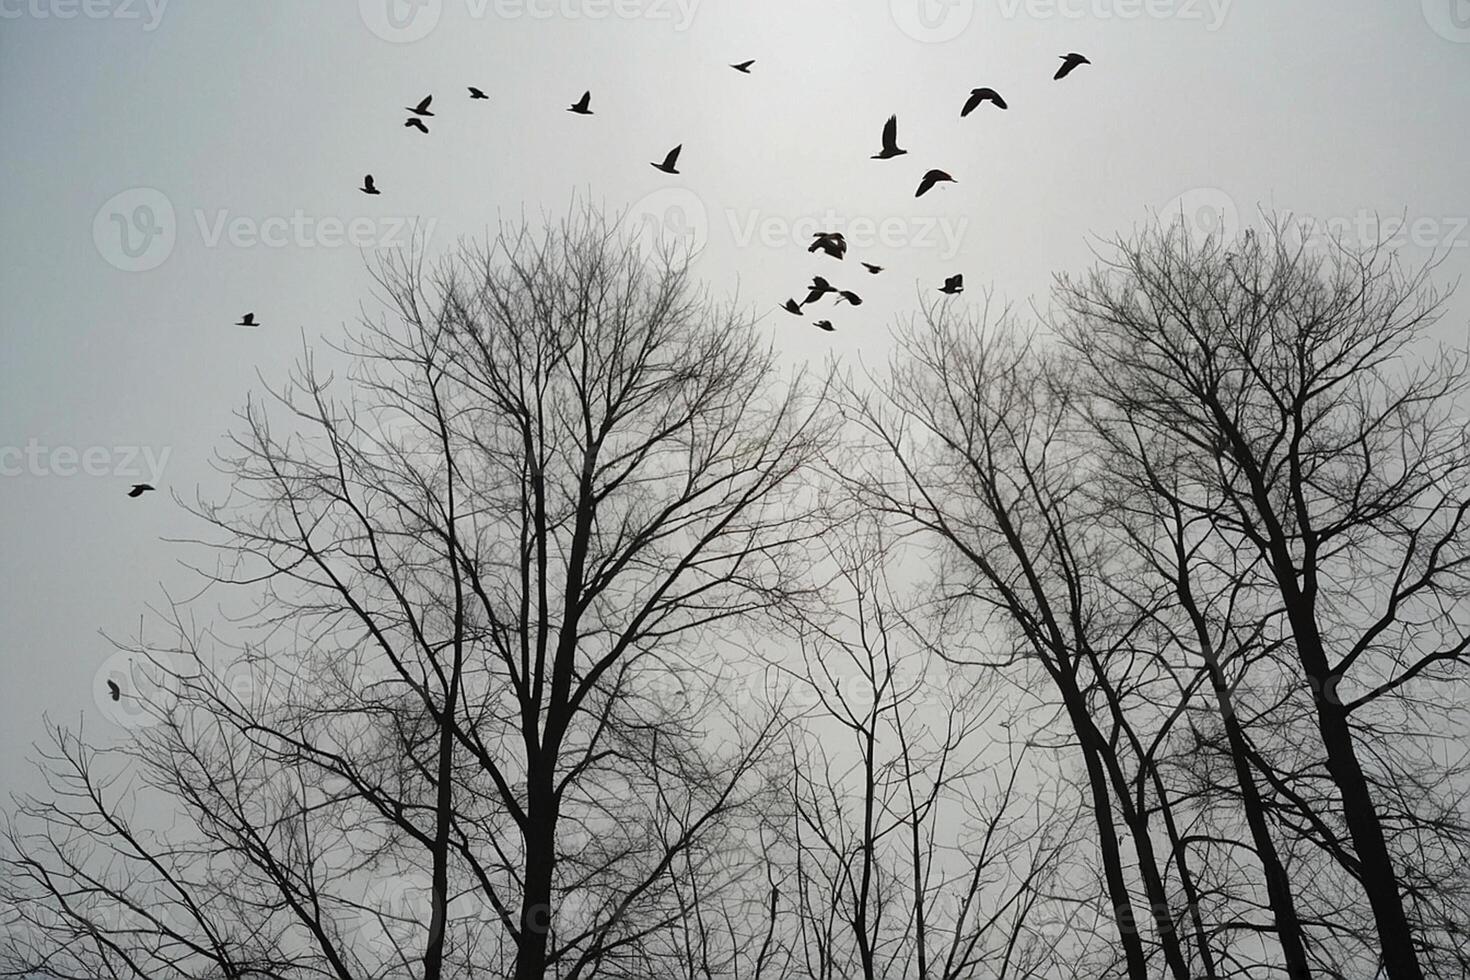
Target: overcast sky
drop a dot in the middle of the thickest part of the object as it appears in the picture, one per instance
(170, 166)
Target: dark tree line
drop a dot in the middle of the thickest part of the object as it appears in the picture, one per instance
(583, 638)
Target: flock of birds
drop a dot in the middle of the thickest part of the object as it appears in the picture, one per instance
(828, 242)
(833, 244)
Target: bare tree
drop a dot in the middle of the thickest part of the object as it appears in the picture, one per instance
(1322, 448)
(974, 439)
(561, 470)
(922, 848)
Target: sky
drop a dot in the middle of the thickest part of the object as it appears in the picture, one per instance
(169, 166)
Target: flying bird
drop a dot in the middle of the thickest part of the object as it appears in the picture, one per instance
(668, 165)
(930, 179)
(416, 123)
(114, 690)
(979, 95)
(850, 296)
(890, 141)
(248, 320)
(580, 106)
(953, 285)
(477, 94)
(422, 109)
(819, 288)
(744, 66)
(874, 269)
(792, 306)
(830, 242)
(368, 187)
(139, 489)
(824, 325)
(1069, 61)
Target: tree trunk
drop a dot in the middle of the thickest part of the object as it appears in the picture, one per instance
(1278, 887)
(1186, 876)
(540, 837)
(1107, 836)
(1380, 881)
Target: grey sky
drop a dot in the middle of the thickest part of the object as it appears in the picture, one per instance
(257, 120)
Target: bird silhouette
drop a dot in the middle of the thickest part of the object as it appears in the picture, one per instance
(139, 489)
(850, 296)
(248, 320)
(422, 109)
(1069, 61)
(580, 107)
(890, 141)
(930, 179)
(979, 95)
(953, 285)
(416, 123)
(114, 690)
(830, 242)
(668, 165)
(874, 269)
(477, 94)
(744, 66)
(792, 306)
(824, 325)
(368, 187)
(819, 288)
